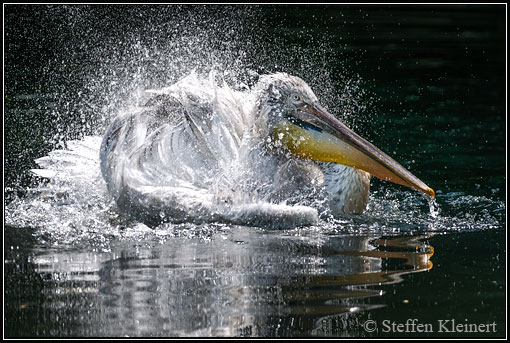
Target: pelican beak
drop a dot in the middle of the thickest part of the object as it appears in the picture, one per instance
(313, 133)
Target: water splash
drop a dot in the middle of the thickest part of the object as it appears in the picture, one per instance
(92, 79)
(90, 64)
(434, 208)
(74, 209)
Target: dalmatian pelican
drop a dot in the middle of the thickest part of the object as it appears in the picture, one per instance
(198, 151)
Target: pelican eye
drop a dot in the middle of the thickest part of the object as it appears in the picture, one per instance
(295, 98)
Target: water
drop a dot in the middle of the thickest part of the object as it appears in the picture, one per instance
(425, 84)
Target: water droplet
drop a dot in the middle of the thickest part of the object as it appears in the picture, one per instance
(433, 207)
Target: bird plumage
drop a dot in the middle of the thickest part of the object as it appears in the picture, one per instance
(197, 151)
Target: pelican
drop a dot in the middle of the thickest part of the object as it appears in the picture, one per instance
(200, 152)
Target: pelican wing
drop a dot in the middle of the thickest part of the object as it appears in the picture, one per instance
(184, 156)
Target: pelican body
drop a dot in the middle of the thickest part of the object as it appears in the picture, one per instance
(200, 152)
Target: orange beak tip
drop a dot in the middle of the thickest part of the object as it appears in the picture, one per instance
(431, 192)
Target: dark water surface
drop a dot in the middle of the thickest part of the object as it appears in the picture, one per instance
(424, 83)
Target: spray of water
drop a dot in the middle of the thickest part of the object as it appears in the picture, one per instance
(105, 67)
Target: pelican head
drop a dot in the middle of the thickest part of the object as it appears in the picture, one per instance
(298, 124)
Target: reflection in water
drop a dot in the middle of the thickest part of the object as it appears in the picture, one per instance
(242, 282)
